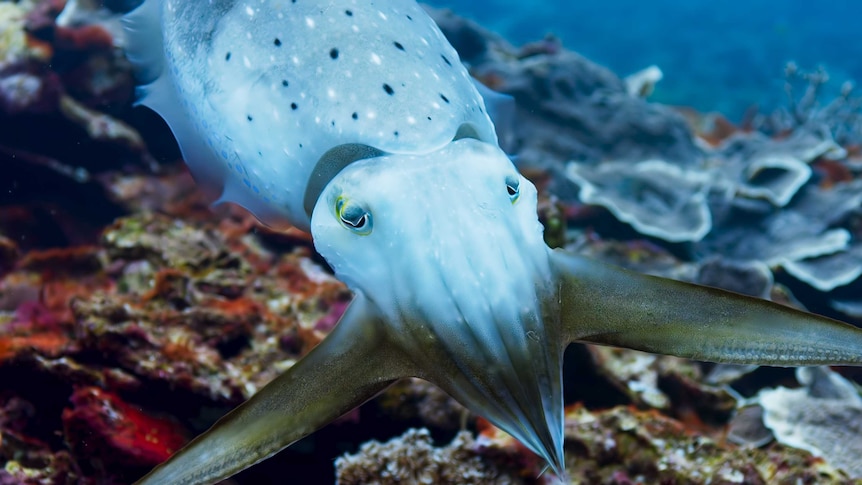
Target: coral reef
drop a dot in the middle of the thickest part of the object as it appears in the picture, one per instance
(824, 417)
(70, 85)
(162, 305)
(841, 117)
(656, 198)
(567, 107)
(412, 458)
(132, 314)
(780, 190)
(623, 445)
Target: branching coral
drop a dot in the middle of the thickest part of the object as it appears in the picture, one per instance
(842, 115)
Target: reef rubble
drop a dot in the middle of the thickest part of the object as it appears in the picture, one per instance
(132, 314)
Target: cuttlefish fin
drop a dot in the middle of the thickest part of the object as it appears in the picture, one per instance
(353, 364)
(607, 305)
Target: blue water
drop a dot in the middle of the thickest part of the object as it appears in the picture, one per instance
(716, 56)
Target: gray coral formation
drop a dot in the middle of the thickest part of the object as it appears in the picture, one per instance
(655, 197)
(778, 195)
(824, 417)
(567, 107)
(841, 116)
(783, 189)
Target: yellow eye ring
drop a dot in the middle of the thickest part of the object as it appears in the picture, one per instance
(353, 216)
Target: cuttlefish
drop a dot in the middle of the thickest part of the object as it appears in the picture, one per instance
(354, 119)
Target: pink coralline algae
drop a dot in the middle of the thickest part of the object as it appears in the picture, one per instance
(107, 433)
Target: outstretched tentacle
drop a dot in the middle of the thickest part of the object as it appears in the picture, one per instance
(606, 305)
(353, 364)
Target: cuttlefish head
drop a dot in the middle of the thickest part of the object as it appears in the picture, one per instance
(447, 247)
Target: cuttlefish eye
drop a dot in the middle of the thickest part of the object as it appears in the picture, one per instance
(513, 186)
(353, 216)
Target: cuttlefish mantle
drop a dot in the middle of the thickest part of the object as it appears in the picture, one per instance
(357, 121)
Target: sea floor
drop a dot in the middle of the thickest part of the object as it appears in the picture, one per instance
(133, 314)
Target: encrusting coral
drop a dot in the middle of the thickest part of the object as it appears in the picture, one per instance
(412, 458)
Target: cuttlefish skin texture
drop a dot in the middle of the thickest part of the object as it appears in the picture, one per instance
(393, 165)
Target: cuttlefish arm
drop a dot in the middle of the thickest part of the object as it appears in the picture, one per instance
(607, 305)
(350, 366)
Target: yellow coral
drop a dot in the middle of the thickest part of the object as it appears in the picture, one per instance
(13, 39)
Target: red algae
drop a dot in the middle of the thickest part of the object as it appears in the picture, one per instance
(160, 307)
(832, 172)
(103, 429)
(78, 259)
(84, 38)
(47, 343)
(713, 128)
(36, 297)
